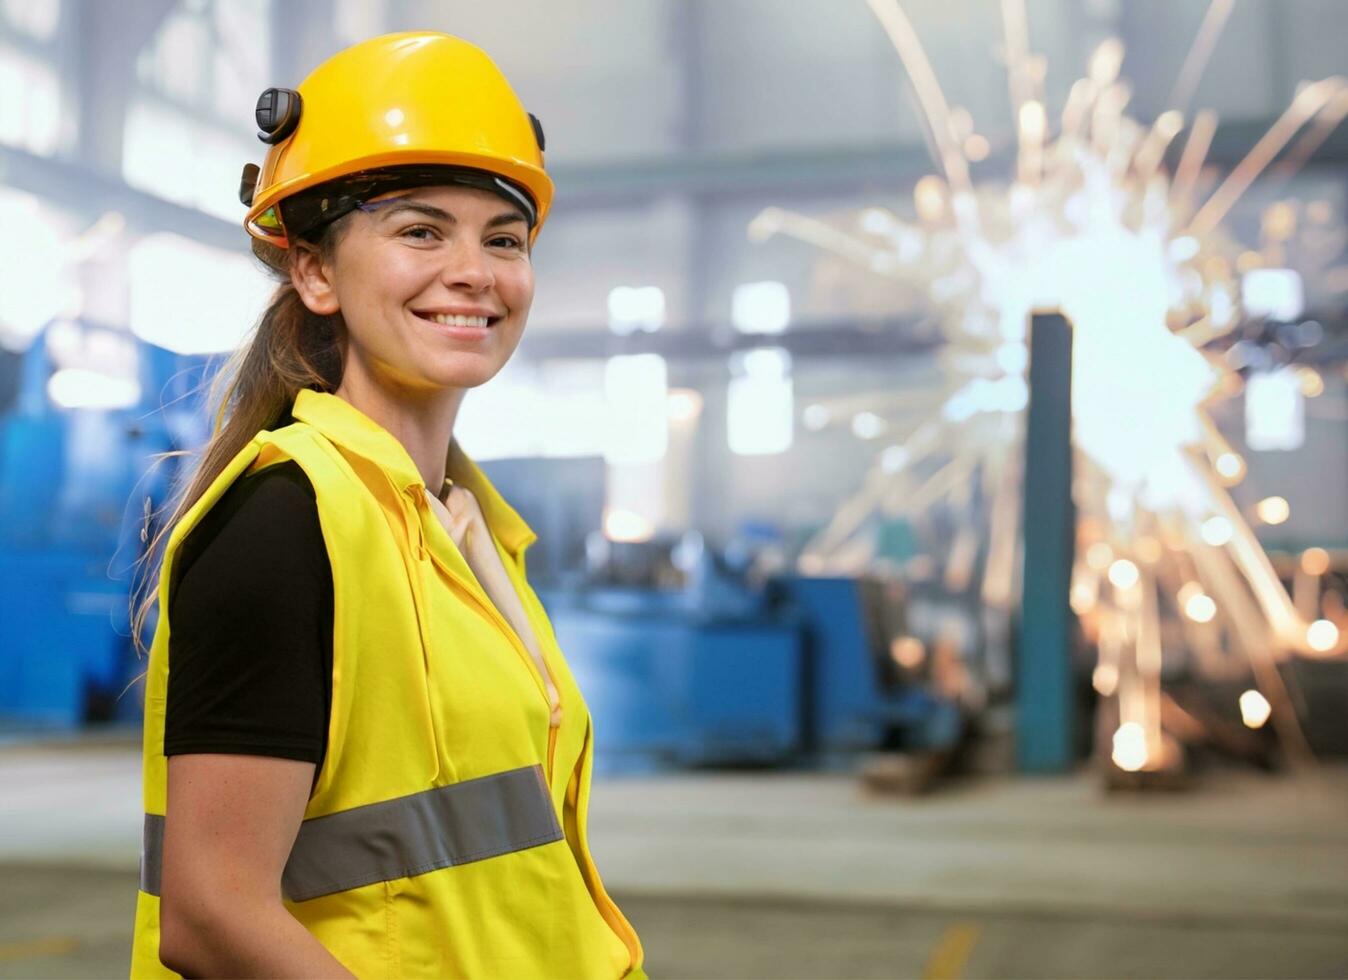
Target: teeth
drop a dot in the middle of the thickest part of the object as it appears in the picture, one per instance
(459, 321)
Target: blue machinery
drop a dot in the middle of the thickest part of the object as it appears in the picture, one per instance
(73, 484)
(720, 674)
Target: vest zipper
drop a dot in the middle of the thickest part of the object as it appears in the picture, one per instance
(489, 609)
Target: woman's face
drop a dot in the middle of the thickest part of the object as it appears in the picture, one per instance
(408, 268)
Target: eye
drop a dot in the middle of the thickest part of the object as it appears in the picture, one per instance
(510, 241)
(420, 233)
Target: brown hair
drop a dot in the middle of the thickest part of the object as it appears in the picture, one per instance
(290, 348)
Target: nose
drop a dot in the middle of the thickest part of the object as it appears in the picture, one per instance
(467, 266)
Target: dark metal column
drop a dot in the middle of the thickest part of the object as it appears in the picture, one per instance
(1044, 707)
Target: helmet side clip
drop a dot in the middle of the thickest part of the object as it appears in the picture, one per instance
(248, 183)
(277, 114)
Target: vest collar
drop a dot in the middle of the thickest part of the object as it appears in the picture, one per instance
(347, 426)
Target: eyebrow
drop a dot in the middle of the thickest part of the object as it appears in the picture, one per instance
(398, 204)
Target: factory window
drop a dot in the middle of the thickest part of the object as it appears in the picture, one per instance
(637, 392)
(168, 276)
(30, 103)
(633, 308)
(210, 56)
(760, 407)
(34, 250)
(761, 307)
(177, 61)
(172, 155)
(554, 409)
(35, 18)
(1275, 411)
(188, 126)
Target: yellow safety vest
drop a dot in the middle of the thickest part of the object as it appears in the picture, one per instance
(446, 833)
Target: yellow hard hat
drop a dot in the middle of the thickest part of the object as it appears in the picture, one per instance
(403, 106)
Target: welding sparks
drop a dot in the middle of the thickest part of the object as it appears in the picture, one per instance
(1092, 223)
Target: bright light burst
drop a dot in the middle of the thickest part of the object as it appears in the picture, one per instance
(1093, 223)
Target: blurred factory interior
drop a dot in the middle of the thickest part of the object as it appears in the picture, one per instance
(934, 417)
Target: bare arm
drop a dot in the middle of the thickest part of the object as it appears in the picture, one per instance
(230, 825)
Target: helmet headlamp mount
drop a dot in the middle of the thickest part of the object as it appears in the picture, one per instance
(277, 114)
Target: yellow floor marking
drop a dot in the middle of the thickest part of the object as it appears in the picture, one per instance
(51, 946)
(951, 952)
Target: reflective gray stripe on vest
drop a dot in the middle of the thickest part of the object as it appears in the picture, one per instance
(152, 853)
(437, 828)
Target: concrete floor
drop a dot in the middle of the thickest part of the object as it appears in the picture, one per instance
(791, 875)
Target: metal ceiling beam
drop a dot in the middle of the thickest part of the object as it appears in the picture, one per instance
(885, 337)
(897, 337)
(703, 175)
(712, 175)
(90, 193)
(879, 166)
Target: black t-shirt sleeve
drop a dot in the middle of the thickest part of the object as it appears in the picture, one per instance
(250, 625)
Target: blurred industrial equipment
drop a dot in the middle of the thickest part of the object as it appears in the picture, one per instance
(81, 427)
(690, 658)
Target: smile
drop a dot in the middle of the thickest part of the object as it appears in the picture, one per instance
(458, 327)
(447, 320)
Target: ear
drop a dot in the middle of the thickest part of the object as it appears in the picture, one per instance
(313, 280)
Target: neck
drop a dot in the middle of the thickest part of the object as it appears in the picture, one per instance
(424, 424)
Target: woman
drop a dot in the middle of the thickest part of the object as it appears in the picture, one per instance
(364, 753)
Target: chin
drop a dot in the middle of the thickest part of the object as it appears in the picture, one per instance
(460, 375)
